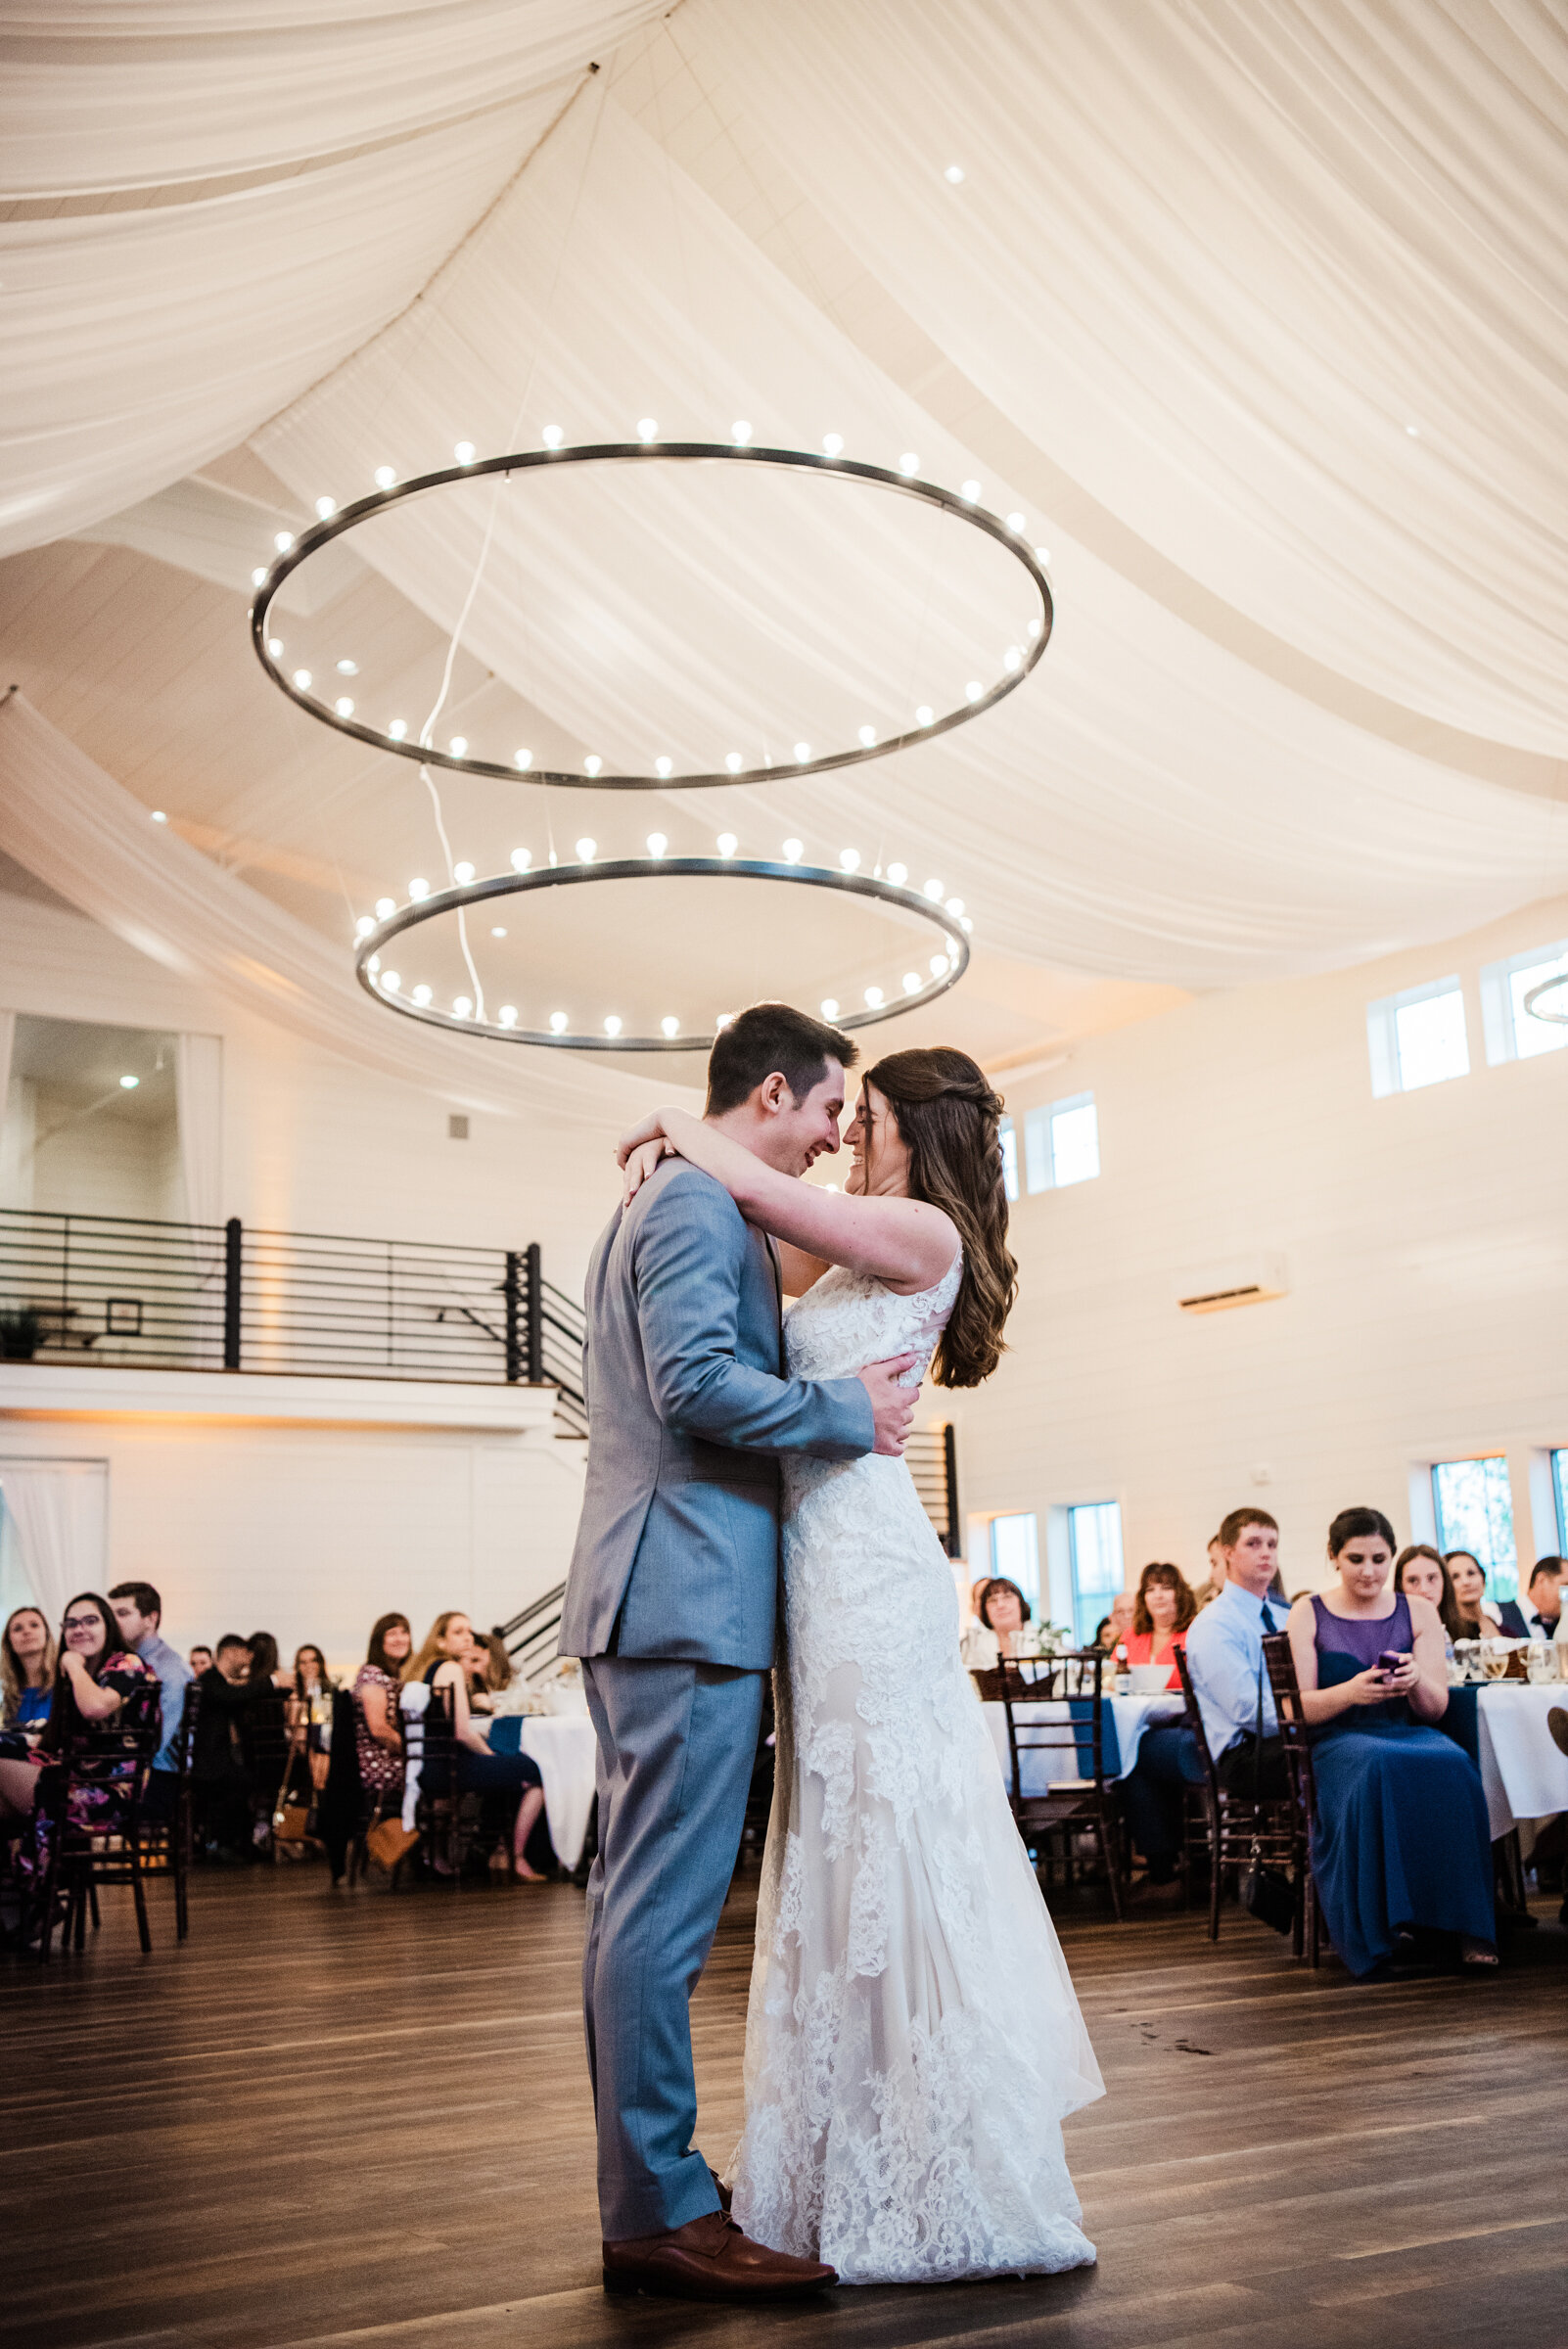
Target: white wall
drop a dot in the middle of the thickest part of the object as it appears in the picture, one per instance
(1427, 1251)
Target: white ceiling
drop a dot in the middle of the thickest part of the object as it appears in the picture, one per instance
(1203, 273)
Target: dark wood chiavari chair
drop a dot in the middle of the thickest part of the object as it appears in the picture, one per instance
(1082, 1797)
(1238, 1830)
(1281, 1665)
(81, 1858)
(168, 1841)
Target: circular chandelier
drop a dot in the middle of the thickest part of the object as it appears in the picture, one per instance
(336, 523)
(387, 987)
(1558, 1015)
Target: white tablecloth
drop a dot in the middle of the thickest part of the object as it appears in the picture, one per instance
(564, 1746)
(1524, 1775)
(1049, 1765)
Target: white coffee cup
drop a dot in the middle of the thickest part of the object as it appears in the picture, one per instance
(1148, 1679)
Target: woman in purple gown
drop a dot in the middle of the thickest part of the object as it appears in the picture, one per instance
(1401, 1844)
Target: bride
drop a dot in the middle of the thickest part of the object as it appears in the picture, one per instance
(914, 2042)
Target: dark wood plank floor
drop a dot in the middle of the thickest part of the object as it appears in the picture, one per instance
(348, 2119)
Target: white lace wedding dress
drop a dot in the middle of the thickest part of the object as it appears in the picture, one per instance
(912, 2041)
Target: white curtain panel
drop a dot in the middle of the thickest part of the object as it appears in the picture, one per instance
(1282, 284)
(153, 324)
(1147, 807)
(198, 1108)
(60, 1512)
(76, 828)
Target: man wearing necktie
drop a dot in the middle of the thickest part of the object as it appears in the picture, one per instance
(1224, 1656)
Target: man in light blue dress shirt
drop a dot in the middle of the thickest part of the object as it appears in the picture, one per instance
(138, 1611)
(1224, 1656)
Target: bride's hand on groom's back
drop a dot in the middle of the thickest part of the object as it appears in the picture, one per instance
(647, 1130)
(892, 1405)
(637, 1164)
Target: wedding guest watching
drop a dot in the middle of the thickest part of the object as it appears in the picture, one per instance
(1163, 1611)
(1421, 1572)
(1537, 1616)
(200, 1660)
(1117, 1624)
(1217, 1575)
(1473, 1611)
(378, 1739)
(98, 1679)
(309, 1709)
(217, 1764)
(27, 1655)
(1224, 1656)
(1004, 1610)
(1401, 1843)
(139, 1611)
(441, 1664)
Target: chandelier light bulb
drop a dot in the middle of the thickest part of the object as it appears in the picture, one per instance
(898, 874)
(908, 462)
(463, 873)
(422, 995)
(664, 767)
(364, 926)
(969, 490)
(939, 966)
(868, 735)
(723, 1019)
(830, 1007)
(497, 930)
(923, 714)
(911, 982)
(734, 762)
(587, 849)
(833, 444)
(522, 859)
(391, 980)
(728, 844)
(1033, 629)
(1011, 658)
(592, 765)
(386, 475)
(955, 906)
(850, 859)
(522, 759)
(418, 892)
(1042, 556)
(326, 507)
(558, 1022)
(873, 998)
(670, 1025)
(256, 577)
(283, 541)
(344, 706)
(347, 669)
(507, 1015)
(967, 927)
(301, 679)
(552, 435)
(464, 452)
(275, 648)
(373, 965)
(385, 907)
(974, 691)
(740, 433)
(954, 175)
(647, 431)
(612, 1025)
(158, 818)
(399, 728)
(462, 1007)
(458, 746)
(803, 752)
(791, 852)
(1015, 522)
(935, 892)
(657, 843)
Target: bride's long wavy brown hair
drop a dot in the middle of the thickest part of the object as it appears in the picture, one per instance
(948, 1117)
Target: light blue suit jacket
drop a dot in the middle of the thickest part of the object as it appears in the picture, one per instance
(678, 1550)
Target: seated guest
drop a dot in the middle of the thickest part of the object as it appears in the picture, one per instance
(26, 1670)
(1162, 1612)
(1401, 1843)
(224, 1815)
(441, 1665)
(1224, 1656)
(138, 1611)
(378, 1739)
(1003, 1611)
(200, 1660)
(1538, 1617)
(1473, 1611)
(1217, 1575)
(99, 1680)
(1421, 1572)
(1112, 1631)
(310, 1710)
(489, 1669)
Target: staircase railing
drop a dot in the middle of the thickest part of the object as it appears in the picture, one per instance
(531, 1637)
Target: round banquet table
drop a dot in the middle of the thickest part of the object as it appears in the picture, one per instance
(562, 1745)
(1126, 1718)
(1502, 1726)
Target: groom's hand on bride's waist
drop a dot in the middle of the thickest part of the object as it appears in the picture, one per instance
(892, 1405)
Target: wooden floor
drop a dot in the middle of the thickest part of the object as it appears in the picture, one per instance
(349, 2119)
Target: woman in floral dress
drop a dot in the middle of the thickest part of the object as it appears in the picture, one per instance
(98, 1683)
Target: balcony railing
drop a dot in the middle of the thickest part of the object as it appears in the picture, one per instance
(130, 1293)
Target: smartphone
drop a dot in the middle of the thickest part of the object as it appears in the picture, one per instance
(1389, 1661)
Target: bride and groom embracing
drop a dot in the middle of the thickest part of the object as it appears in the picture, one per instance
(912, 2041)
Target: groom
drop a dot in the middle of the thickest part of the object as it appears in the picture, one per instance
(671, 1601)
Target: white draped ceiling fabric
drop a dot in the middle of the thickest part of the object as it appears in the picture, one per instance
(1264, 303)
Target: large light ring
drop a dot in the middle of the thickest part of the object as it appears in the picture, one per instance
(1558, 1017)
(641, 868)
(640, 452)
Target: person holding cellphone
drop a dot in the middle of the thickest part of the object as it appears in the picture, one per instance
(1401, 1846)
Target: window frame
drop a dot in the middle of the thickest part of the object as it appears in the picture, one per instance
(1499, 1027)
(1449, 1539)
(1383, 1036)
(1073, 1509)
(1040, 1142)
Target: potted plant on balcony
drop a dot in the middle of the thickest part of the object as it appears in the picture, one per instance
(22, 1333)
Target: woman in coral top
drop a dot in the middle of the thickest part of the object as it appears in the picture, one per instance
(1162, 1612)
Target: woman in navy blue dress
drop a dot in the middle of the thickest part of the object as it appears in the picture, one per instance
(1403, 1843)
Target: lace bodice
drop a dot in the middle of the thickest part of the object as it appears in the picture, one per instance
(850, 1319)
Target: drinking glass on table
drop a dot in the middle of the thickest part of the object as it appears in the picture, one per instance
(1541, 1663)
(1467, 1661)
(1494, 1658)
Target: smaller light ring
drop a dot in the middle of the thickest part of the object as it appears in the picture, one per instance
(1548, 987)
(641, 868)
(639, 452)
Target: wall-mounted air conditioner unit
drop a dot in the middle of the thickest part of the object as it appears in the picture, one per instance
(1245, 1280)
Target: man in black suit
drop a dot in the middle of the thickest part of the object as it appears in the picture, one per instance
(1538, 1617)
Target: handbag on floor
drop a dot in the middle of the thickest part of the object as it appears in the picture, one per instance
(389, 1841)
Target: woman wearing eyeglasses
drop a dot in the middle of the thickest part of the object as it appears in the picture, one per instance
(99, 1681)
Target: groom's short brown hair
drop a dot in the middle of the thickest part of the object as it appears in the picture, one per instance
(767, 1036)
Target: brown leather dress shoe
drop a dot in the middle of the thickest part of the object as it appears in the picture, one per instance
(709, 2258)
